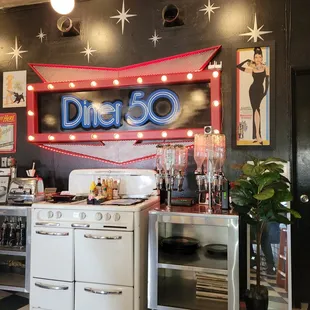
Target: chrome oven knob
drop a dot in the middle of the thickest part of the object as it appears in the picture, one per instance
(58, 214)
(117, 217)
(107, 216)
(82, 216)
(98, 216)
(50, 214)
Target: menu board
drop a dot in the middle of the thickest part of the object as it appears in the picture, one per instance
(8, 133)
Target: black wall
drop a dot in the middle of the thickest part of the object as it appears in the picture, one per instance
(287, 19)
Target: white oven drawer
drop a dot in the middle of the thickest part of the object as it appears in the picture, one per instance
(52, 251)
(104, 257)
(51, 295)
(98, 297)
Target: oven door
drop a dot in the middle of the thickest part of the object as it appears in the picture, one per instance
(51, 295)
(52, 253)
(98, 297)
(104, 257)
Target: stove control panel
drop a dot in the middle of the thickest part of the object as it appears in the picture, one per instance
(94, 218)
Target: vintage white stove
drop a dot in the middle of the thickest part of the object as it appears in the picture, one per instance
(93, 256)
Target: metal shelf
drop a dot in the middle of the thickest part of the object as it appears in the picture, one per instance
(196, 262)
(179, 293)
(12, 251)
(12, 282)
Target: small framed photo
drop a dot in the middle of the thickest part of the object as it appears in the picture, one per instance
(254, 95)
(4, 187)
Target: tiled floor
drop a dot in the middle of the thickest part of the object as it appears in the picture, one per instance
(4, 295)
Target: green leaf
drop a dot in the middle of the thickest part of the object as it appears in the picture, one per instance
(294, 213)
(248, 169)
(265, 194)
(274, 167)
(283, 196)
(244, 183)
(273, 159)
(267, 179)
(282, 219)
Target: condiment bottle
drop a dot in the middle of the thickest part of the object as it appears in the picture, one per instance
(110, 189)
(115, 190)
(99, 187)
(104, 189)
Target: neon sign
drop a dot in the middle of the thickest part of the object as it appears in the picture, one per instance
(109, 114)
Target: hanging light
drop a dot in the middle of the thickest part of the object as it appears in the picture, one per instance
(63, 7)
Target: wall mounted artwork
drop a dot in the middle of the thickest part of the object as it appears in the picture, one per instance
(8, 132)
(14, 89)
(254, 90)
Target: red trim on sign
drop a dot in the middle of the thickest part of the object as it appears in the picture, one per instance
(238, 97)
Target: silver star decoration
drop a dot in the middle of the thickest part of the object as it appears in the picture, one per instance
(155, 38)
(256, 32)
(16, 52)
(123, 16)
(88, 51)
(41, 35)
(208, 9)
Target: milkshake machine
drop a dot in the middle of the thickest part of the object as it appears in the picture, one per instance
(171, 163)
(210, 155)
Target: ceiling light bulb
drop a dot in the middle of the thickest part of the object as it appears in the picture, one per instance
(63, 7)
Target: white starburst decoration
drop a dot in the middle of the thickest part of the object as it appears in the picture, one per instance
(208, 9)
(88, 51)
(123, 16)
(41, 35)
(16, 52)
(255, 33)
(155, 38)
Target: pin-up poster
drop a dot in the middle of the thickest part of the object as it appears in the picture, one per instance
(253, 96)
(7, 133)
(14, 89)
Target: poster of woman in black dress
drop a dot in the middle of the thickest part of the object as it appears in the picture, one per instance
(253, 102)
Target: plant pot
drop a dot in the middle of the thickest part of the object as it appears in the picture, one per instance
(256, 299)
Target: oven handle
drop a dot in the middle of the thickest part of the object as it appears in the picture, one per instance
(58, 234)
(101, 292)
(51, 287)
(88, 236)
(47, 224)
(80, 225)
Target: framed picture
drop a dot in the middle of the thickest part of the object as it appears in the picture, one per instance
(4, 186)
(14, 89)
(254, 95)
(8, 132)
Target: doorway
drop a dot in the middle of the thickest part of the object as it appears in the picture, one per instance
(301, 185)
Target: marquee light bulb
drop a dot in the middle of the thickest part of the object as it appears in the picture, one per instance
(216, 131)
(93, 84)
(215, 74)
(216, 103)
(94, 136)
(164, 78)
(51, 138)
(50, 86)
(71, 85)
(30, 138)
(116, 136)
(189, 76)
(190, 133)
(30, 113)
(63, 7)
(30, 87)
(72, 137)
(140, 135)
(140, 80)
(116, 82)
(164, 134)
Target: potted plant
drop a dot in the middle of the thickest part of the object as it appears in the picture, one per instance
(257, 196)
